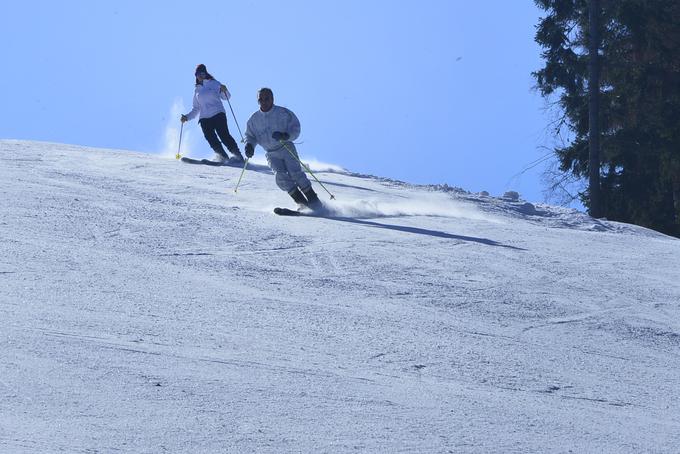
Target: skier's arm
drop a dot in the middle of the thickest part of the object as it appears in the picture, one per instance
(221, 89)
(251, 140)
(224, 93)
(250, 132)
(293, 126)
(194, 110)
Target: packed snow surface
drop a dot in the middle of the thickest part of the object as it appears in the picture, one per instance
(146, 307)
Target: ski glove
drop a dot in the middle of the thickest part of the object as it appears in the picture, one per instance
(278, 135)
(250, 150)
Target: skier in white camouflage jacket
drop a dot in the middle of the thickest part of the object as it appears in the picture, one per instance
(275, 128)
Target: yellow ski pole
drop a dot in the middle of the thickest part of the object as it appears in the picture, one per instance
(242, 172)
(177, 156)
(307, 169)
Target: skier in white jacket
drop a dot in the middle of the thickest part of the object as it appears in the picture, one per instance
(212, 117)
(275, 128)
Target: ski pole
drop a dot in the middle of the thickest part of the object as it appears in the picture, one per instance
(236, 121)
(177, 156)
(307, 168)
(242, 172)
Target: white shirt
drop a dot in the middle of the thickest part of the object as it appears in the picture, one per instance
(208, 100)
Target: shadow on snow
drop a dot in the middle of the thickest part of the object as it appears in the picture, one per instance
(421, 231)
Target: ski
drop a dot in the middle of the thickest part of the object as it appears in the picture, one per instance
(232, 162)
(201, 161)
(318, 213)
(287, 212)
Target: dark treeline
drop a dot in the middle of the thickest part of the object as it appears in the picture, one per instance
(639, 103)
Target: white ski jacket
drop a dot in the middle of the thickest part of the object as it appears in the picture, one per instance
(261, 125)
(208, 100)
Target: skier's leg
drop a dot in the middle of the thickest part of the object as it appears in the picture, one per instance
(222, 130)
(207, 125)
(295, 171)
(299, 177)
(278, 165)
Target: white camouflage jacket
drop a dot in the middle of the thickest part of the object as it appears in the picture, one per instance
(261, 125)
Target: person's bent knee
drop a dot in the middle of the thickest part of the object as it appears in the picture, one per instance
(284, 183)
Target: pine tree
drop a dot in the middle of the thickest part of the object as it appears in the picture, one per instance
(639, 115)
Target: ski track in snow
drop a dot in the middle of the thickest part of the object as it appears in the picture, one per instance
(146, 307)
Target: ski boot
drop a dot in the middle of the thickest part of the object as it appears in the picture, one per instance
(313, 202)
(220, 155)
(237, 156)
(299, 198)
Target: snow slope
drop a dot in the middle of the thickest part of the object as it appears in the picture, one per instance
(145, 307)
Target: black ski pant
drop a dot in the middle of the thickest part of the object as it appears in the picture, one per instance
(217, 126)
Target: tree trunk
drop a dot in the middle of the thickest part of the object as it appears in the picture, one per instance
(594, 109)
(676, 197)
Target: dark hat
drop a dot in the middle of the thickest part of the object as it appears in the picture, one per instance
(200, 69)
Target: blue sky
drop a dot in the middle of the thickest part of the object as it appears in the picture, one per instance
(423, 91)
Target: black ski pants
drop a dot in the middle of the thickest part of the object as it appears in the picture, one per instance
(217, 126)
